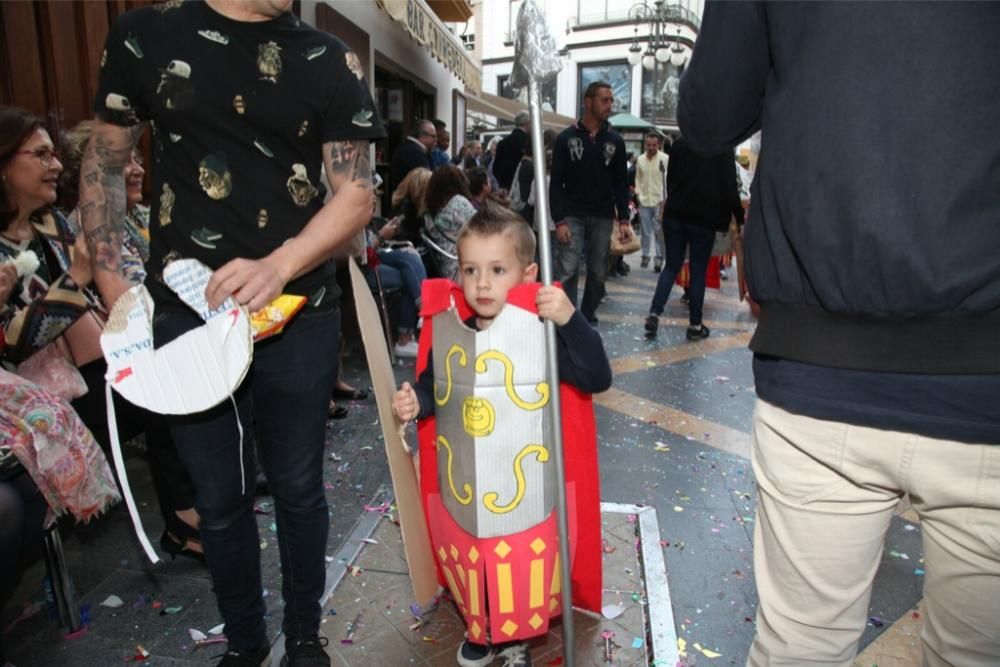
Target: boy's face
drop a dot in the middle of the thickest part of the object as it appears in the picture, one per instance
(488, 269)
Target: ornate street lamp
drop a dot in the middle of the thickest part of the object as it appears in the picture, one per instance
(661, 46)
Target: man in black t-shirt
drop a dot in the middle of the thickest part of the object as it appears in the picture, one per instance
(247, 104)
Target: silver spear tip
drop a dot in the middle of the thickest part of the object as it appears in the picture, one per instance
(536, 56)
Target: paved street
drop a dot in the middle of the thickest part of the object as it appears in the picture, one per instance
(674, 434)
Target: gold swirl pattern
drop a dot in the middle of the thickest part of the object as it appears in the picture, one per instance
(490, 499)
(508, 377)
(463, 361)
(443, 442)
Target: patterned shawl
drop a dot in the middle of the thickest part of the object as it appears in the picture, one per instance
(56, 449)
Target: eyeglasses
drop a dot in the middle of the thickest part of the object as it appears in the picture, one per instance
(43, 155)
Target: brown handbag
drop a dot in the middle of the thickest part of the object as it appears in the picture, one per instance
(629, 246)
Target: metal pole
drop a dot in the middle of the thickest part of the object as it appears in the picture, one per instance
(552, 354)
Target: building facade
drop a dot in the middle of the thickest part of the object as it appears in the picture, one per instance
(595, 37)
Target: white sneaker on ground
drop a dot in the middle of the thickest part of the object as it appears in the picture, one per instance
(516, 655)
(475, 655)
(407, 350)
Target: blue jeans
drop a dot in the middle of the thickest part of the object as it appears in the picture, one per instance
(596, 234)
(651, 231)
(283, 405)
(679, 235)
(405, 270)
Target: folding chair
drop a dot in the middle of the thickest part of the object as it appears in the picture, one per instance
(59, 580)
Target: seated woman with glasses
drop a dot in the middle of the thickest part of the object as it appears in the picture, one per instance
(50, 313)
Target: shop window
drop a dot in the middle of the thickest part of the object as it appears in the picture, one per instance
(660, 93)
(616, 74)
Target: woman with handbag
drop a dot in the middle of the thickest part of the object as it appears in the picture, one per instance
(52, 321)
(448, 208)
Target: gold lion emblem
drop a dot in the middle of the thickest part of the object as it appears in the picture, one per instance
(478, 416)
(269, 61)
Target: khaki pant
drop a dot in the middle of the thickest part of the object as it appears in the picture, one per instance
(827, 492)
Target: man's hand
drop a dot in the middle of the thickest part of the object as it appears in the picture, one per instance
(553, 304)
(624, 231)
(8, 278)
(405, 403)
(254, 283)
(563, 234)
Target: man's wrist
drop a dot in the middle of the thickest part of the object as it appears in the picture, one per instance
(285, 260)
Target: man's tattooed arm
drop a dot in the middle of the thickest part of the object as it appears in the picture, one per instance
(347, 165)
(102, 193)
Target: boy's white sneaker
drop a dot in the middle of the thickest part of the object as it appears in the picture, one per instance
(475, 655)
(516, 655)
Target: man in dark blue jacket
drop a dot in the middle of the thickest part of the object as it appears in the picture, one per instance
(588, 193)
(873, 249)
(413, 153)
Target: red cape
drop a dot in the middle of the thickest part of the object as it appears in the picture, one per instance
(579, 443)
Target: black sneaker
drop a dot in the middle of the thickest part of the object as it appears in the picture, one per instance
(657, 267)
(475, 655)
(686, 297)
(697, 332)
(516, 655)
(652, 323)
(306, 652)
(644, 262)
(258, 657)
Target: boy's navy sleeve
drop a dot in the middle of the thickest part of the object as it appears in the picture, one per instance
(424, 388)
(583, 362)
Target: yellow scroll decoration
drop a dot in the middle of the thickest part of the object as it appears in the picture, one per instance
(508, 377)
(463, 361)
(442, 442)
(490, 499)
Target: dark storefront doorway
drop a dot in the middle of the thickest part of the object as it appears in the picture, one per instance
(402, 100)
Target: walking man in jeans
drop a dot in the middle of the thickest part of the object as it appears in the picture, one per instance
(588, 195)
(702, 199)
(248, 104)
(650, 189)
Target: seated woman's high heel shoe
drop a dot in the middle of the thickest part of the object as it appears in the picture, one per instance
(179, 547)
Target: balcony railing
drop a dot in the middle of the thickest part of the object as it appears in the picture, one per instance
(677, 13)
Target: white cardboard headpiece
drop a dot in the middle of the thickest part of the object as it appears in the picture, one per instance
(193, 373)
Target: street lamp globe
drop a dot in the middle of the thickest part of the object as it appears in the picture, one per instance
(649, 62)
(677, 56)
(662, 54)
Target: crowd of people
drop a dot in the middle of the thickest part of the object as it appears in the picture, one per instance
(874, 357)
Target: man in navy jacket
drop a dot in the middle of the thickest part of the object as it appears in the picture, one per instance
(873, 249)
(588, 193)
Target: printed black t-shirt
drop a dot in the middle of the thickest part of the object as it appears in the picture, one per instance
(239, 112)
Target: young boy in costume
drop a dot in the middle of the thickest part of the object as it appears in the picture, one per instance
(487, 470)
